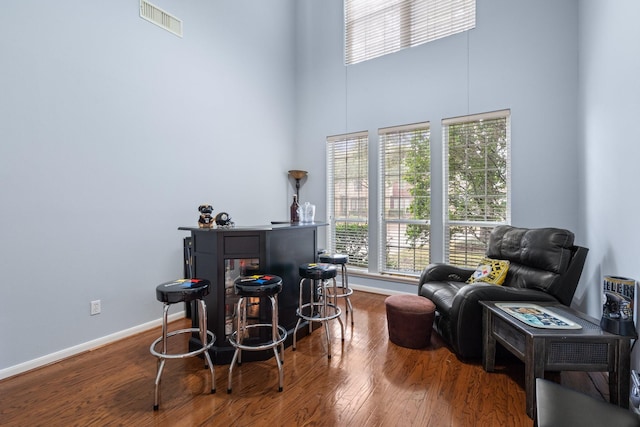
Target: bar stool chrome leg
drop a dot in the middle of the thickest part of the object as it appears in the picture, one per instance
(344, 291)
(202, 317)
(161, 360)
(327, 306)
(275, 337)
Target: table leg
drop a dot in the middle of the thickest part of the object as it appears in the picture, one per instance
(534, 368)
(619, 381)
(489, 341)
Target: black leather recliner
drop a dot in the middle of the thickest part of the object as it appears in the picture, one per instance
(545, 265)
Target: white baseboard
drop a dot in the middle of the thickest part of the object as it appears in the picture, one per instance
(81, 348)
(90, 345)
(374, 290)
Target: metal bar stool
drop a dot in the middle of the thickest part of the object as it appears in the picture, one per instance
(344, 291)
(318, 309)
(183, 290)
(257, 336)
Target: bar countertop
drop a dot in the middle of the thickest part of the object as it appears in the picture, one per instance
(273, 226)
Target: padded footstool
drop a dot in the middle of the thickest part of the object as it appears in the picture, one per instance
(410, 320)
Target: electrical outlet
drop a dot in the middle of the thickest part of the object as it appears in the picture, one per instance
(95, 307)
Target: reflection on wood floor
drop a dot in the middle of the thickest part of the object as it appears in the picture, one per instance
(367, 382)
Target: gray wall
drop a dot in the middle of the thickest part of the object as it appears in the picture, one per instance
(113, 131)
(609, 110)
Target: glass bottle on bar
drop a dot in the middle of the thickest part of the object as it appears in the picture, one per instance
(295, 213)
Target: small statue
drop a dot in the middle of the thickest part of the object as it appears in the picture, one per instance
(205, 220)
(224, 220)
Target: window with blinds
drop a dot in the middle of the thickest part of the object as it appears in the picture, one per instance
(477, 183)
(348, 196)
(377, 27)
(405, 196)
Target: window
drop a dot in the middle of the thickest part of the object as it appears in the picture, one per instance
(473, 190)
(377, 27)
(477, 183)
(405, 195)
(348, 196)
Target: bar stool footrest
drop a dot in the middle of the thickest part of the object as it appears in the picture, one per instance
(182, 355)
(336, 314)
(341, 292)
(282, 335)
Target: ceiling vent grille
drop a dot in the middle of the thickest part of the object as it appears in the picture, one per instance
(161, 18)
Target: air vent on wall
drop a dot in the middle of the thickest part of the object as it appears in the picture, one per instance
(161, 18)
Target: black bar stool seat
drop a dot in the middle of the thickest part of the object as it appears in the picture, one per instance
(333, 258)
(315, 271)
(258, 286)
(183, 290)
(244, 337)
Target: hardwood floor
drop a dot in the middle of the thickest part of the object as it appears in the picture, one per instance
(367, 382)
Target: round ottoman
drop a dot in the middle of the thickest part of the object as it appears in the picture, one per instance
(410, 320)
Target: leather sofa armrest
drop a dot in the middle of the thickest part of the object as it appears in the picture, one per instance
(479, 291)
(440, 272)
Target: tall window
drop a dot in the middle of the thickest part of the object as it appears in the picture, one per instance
(377, 27)
(348, 196)
(405, 195)
(477, 183)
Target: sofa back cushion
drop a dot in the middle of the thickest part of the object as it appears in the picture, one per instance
(537, 256)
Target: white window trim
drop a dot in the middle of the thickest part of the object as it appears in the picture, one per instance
(331, 215)
(446, 222)
(382, 223)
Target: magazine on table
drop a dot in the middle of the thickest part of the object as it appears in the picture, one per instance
(537, 316)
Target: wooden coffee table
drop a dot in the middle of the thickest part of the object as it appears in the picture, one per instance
(586, 349)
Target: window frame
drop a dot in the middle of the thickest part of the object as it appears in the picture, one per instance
(367, 227)
(373, 28)
(350, 218)
(472, 249)
(398, 141)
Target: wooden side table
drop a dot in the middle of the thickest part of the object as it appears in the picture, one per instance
(586, 349)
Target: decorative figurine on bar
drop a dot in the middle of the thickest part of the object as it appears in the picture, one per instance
(223, 220)
(205, 220)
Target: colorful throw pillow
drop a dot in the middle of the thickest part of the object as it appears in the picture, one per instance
(489, 270)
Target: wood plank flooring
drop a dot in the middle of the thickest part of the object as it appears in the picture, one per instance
(367, 382)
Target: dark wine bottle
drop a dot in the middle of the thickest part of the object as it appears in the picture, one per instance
(295, 214)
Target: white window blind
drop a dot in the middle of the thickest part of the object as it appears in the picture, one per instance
(348, 196)
(477, 183)
(405, 195)
(377, 27)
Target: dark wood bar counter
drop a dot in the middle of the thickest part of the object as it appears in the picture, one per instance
(223, 254)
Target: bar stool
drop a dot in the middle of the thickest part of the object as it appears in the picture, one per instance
(344, 291)
(183, 290)
(257, 286)
(319, 309)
